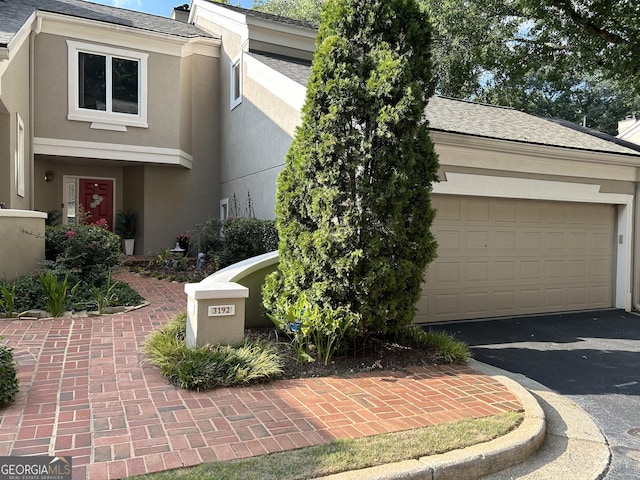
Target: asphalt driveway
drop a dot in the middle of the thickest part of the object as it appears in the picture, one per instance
(591, 357)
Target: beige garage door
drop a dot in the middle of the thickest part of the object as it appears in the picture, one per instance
(500, 257)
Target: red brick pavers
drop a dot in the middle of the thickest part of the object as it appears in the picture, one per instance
(85, 392)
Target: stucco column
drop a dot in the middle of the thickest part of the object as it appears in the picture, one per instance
(215, 313)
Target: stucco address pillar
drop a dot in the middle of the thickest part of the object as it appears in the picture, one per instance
(215, 313)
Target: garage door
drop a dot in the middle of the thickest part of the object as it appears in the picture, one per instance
(500, 257)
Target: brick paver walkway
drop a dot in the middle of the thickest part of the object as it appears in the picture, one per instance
(84, 392)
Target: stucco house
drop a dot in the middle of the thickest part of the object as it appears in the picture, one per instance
(534, 215)
(98, 107)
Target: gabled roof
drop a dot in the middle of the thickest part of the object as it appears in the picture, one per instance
(14, 14)
(483, 120)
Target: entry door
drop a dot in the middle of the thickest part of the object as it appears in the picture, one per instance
(96, 198)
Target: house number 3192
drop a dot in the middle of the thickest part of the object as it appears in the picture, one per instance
(222, 310)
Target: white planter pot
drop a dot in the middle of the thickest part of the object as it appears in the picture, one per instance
(129, 243)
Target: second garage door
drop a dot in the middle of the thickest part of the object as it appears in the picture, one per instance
(501, 257)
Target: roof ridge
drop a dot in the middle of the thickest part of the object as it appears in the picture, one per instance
(472, 102)
(269, 16)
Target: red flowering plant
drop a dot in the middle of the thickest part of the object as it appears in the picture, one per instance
(85, 251)
(183, 241)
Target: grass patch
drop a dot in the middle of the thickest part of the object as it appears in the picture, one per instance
(346, 455)
(210, 366)
(449, 349)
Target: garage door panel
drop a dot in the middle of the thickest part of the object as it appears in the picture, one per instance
(529, 213)
(502, 257)
(477, 211)
(554, 298)
(505, 271)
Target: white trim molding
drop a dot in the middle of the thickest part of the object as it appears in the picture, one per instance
(111, 151)
(286, 89)
(236, 82)
(20, 156)
(525, 188)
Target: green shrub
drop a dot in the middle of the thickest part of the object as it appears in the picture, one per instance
(353, 199)
(207, 238)
(241, 238)
(8, 375)
(314, 331)
(209, 366)
(29, 293)
(86, 251)
(247, 237)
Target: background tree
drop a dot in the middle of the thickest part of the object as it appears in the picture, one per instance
(579, 58)
(353, 200)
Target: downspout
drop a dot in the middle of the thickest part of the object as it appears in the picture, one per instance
(636, 250)
(32, 163)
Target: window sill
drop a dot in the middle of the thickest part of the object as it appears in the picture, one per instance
(108, 123)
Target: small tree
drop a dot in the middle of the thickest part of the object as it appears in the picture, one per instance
(353, 202)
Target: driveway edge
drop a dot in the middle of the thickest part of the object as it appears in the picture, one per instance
(477, 460)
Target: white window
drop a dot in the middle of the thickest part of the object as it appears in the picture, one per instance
(107, 86)
(224, 209)
(236, 82)
(20, 160)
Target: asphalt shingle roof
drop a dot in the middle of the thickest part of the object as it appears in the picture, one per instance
(482, 120)
(14, 13)
(489, 121)
(272, 18)
(294, 68)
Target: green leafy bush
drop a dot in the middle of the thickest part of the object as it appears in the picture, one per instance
(234, 240)
(210, 366)
(207, 238)
(8, 375)
(314, 331)
(29, 293)
(247, 237)
(85, 251)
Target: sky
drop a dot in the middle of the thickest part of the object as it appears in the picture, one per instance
(158, 7)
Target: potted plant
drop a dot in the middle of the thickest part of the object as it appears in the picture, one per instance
(127, 227)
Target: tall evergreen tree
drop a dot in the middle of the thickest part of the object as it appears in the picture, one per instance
(353, 201)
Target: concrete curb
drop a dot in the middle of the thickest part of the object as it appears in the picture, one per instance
(475, 461)
(574, 446)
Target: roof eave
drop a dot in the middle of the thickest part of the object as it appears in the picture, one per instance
(533, 148)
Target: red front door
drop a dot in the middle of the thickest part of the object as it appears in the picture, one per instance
(96, 198)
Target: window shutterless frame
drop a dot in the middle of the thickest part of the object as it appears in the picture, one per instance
(235, 82)
(107, 85)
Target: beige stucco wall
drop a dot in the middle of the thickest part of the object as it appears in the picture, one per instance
(176, 199)
(49, 196)
(182, 115)
(255, 136)
(14, 101)
(21, 242)
(51, 93)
